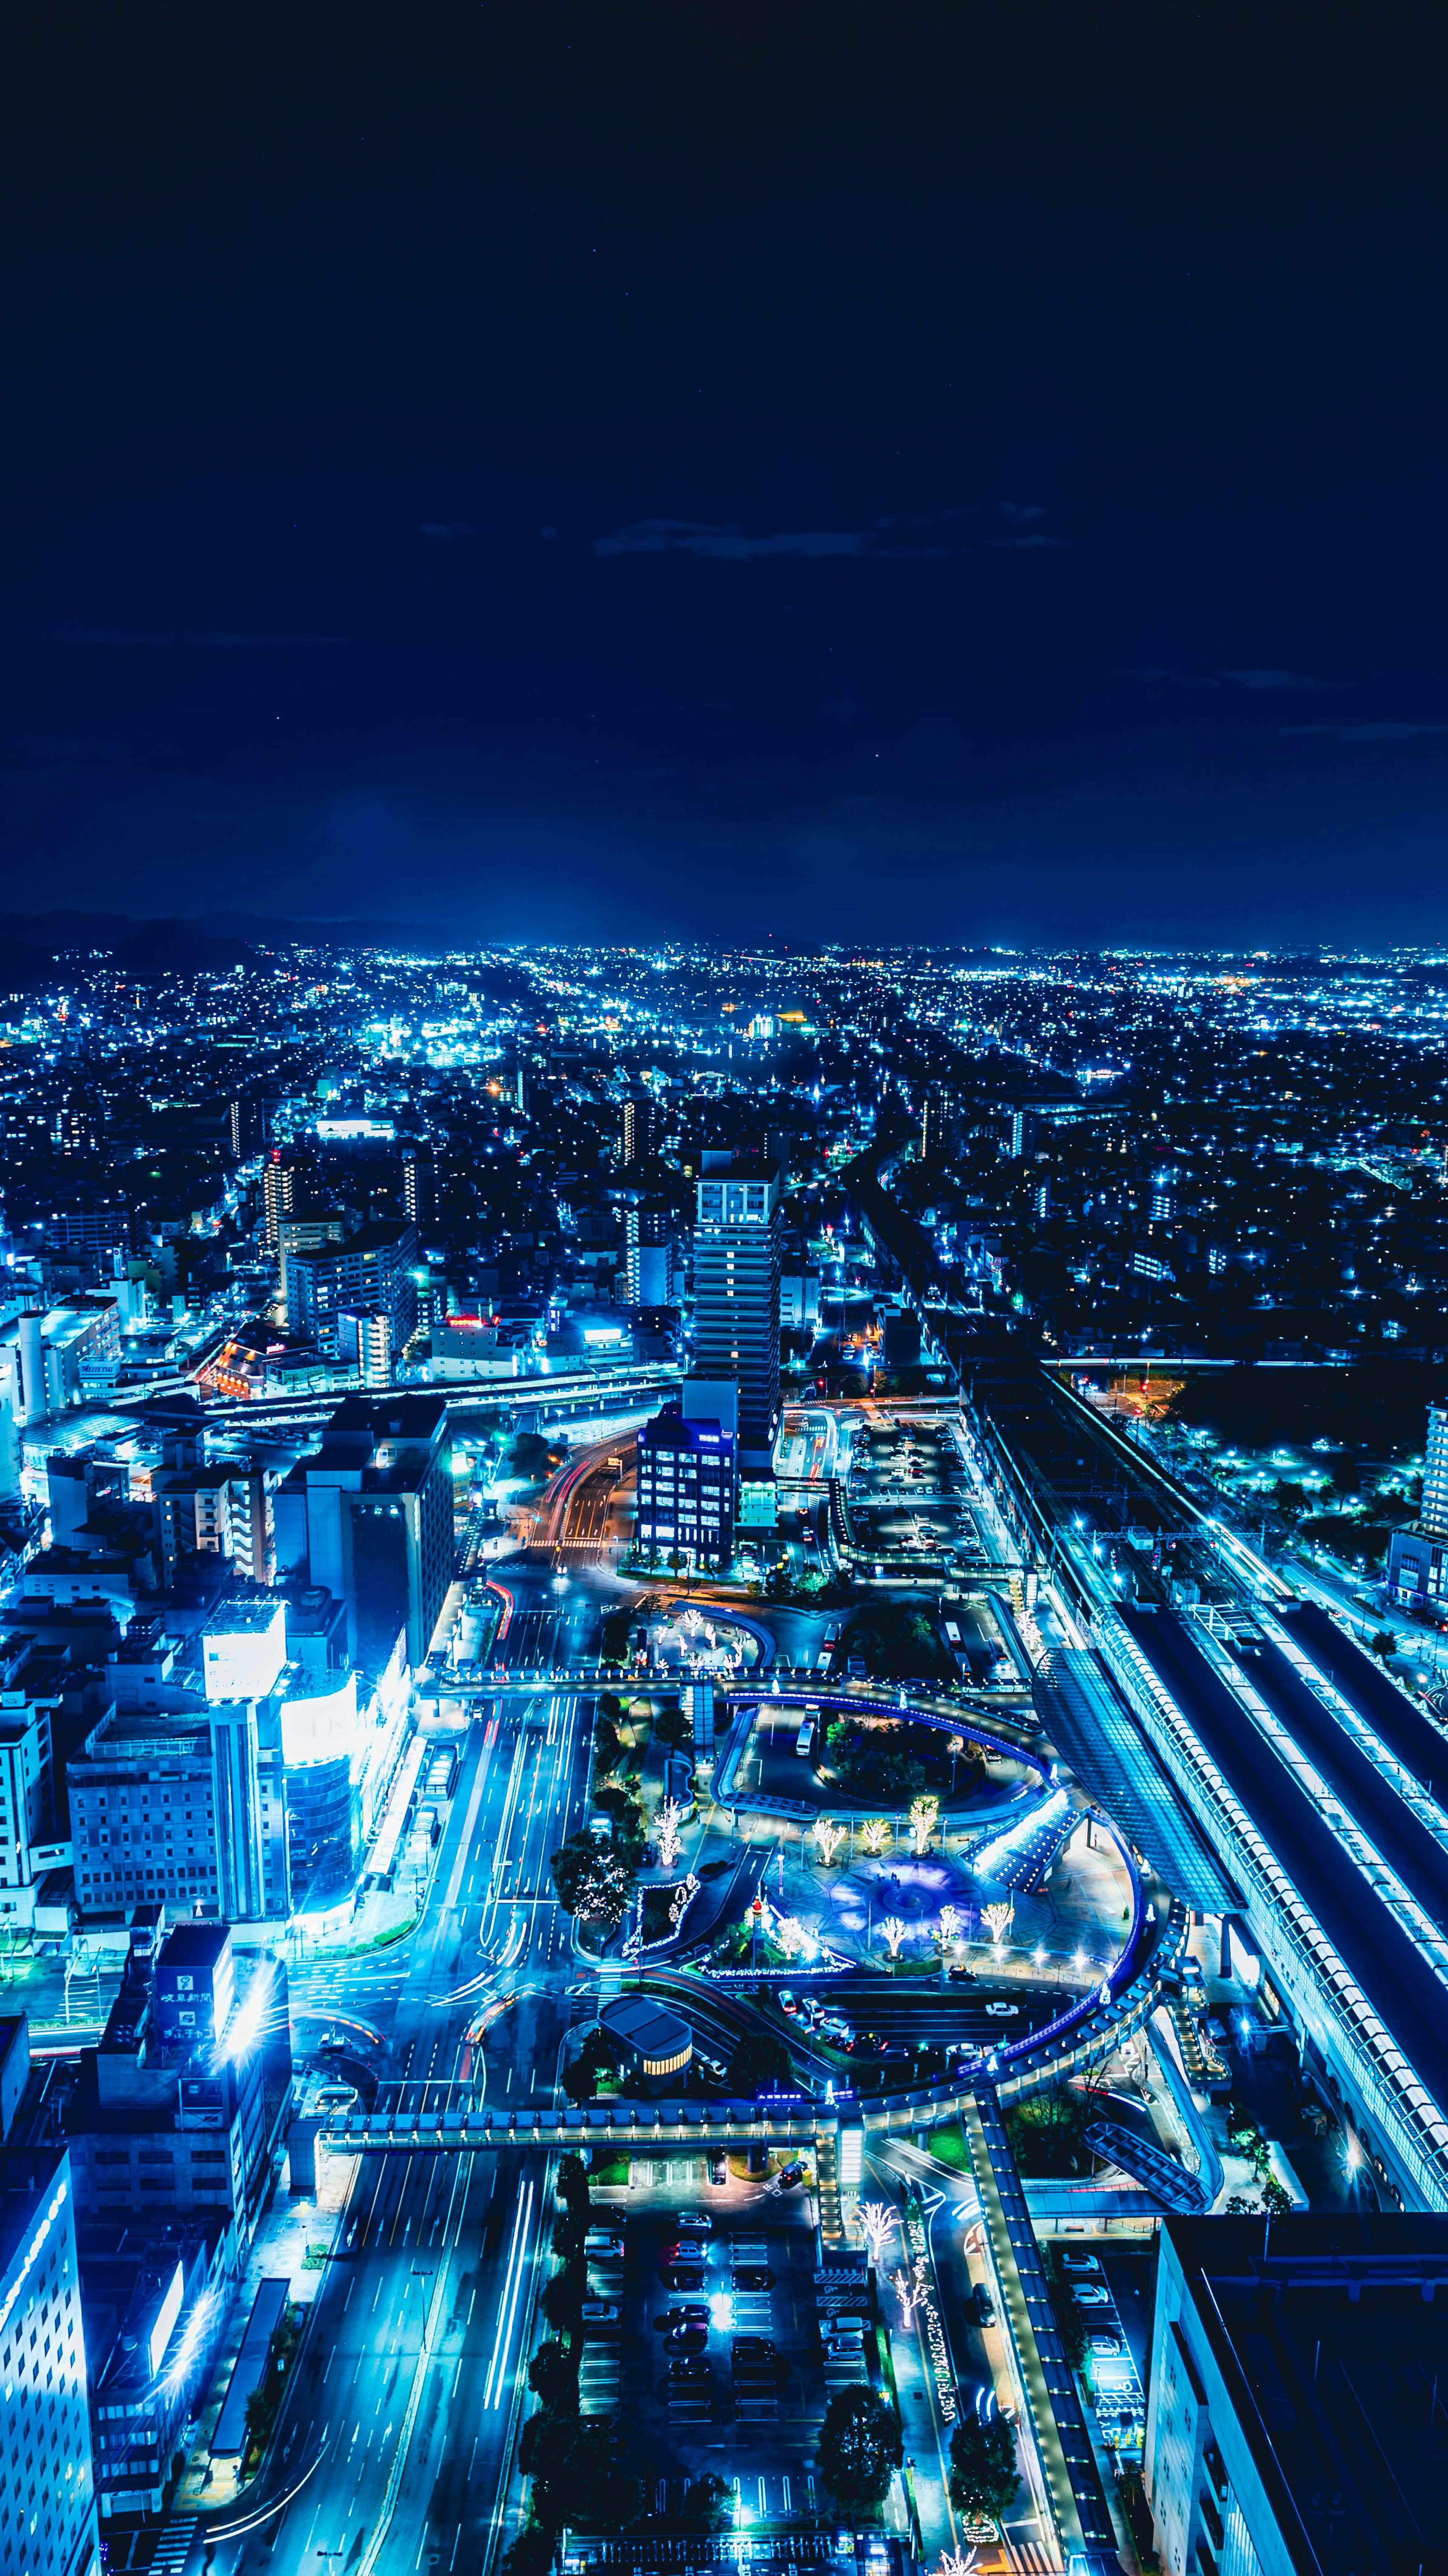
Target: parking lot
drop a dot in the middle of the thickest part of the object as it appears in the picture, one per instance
(1112, 2292)
(724, 2348)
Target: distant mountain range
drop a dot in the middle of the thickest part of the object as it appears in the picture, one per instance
(210, 943)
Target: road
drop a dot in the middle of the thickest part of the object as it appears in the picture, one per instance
(393, 2440)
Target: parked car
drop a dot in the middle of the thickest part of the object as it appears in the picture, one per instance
(691, 2365)
(1105, 2344)
(605, 2246)
(1090, 2294)
(599, 2312)
(983, 2304)
(687, 2338)
(1082, 2263)
(694, 2222)
(753, 2277)
(684, 2276)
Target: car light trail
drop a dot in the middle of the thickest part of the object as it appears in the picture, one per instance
(497, 2379)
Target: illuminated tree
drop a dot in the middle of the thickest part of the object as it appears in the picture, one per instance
(670, 1822)
(909, 2288)
(924, 1817)
(999, 1918)
(829, 1837)
(951, 1920)
(894, 1931)
(873, 1834)
(878, 2221)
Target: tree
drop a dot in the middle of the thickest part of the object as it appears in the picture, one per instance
(983, 2476)
(707, 2505)
(859, 2446)
(673, 1729)
(759, 2061)
(531, 2554)
(576, 2477)
(569, 2230)
(563, 2296)
(1385, 1643)
(573, 2183)
(551, 2377)
(593, 1881)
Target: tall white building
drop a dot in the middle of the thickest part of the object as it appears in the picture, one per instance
(47, 2485)
(736, 1294)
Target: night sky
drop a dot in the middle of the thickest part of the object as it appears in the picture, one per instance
(974, 473)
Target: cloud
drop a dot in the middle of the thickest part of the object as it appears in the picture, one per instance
(891, 539)
(1280, 680)
(451, 532)
(1382, 731)
(208, 639)
(728, 545)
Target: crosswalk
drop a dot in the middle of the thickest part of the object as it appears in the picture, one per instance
(174, 2546)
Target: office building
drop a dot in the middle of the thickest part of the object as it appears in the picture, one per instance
(183, 2117)
(685, 1503)
(26, 1785)
(47, 2485)
(370, 1275)
(1290, 2425)
(369, 1516)
(736, 1294)
(155, 2300)
(1418, 1557)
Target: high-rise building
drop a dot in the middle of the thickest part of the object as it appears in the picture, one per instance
(419, 1184)
(369, 1515)
(939, 1124)
(276, 1193)
(1433, 1517)
(640, 1130)
(47, 2485)
(736, 1294)
(1418, 1557)
(1293, 2365)
(370, 1275)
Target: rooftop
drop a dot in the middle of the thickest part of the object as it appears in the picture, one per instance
(1329, 2339)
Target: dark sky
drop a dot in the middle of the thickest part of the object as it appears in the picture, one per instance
(940, 473)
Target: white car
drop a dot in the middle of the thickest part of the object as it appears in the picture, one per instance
(693, 2222)
(599, 2312)
(603, 2247)
(1002, 2012)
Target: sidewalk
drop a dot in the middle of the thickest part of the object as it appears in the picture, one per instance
(277, 2251)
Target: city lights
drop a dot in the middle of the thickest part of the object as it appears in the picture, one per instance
(924, 1816)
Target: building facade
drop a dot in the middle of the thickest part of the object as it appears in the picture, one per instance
(685, 1491)
(736, 1294)
(47, 2485)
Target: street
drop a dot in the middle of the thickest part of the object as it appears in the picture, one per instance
(392, 2440)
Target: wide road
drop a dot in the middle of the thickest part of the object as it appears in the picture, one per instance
(393, 2441)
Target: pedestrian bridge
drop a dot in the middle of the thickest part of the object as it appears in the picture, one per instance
(441, 2118)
